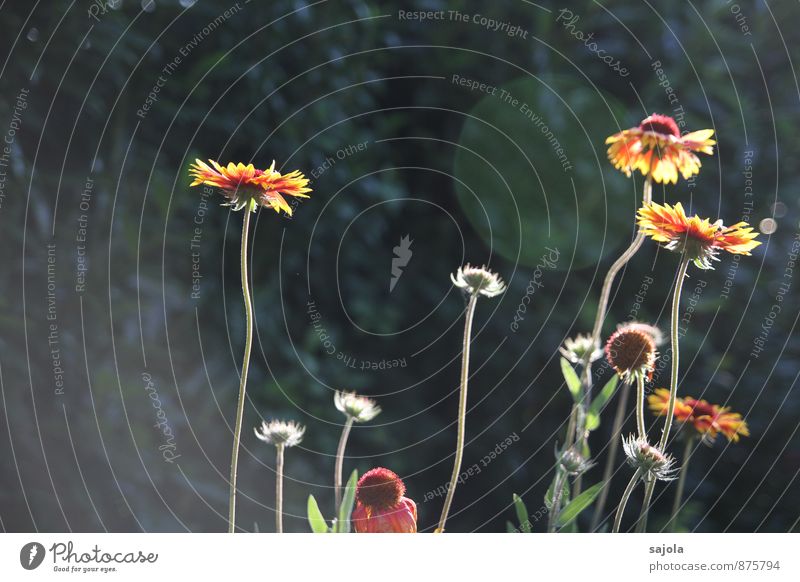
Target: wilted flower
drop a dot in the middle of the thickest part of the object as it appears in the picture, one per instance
(578, 348)
(698, 237)
(706, 419)
(478, 280)
(246, 186)
(651, 462)
(359, 408)
(281, 432)
(573, 462)
(631, 352)
(381, 506)
(656, 148)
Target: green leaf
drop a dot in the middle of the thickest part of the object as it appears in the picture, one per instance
(593, 415)
(581, 502)
(315, 518)
(510, 527)
(522, 514)
(572, 380)
(343, 525)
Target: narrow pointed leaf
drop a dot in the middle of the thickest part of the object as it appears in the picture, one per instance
(315, 518)
(581, 502)
(572, 380)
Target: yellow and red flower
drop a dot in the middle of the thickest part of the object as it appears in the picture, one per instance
(698, 237)
(708, 420)
(247, 186)
(657, 149)
(381, 506)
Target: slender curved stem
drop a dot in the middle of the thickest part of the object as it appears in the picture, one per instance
(673, 384)
(237, 431)
(676, 504)
(624, 501)
(640, 406)
(602, 306)
(674, 338)
(555, 505)
(279, 489)
(462, 411)
(337, 477)
(616, 431)
(641, 524)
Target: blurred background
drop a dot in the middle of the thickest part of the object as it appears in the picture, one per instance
(477, 136)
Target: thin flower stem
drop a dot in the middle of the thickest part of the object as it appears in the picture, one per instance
(647, 196)
(555, 505)
(641, 524)
(337, 477)
(624, 501)
(462, 411)
(676, 504)
(237, 431)
(640, 406)
(673, 384)
(674, 338)
(602, 307)
(616, 431)
(279, 489)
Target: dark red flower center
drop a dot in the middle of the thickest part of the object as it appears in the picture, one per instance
(701, 408)
(662, 124)
(380, 488)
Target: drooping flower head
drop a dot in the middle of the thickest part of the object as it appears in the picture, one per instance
(580, 347)
(381, 506)
(657, 149)
(652, 462)
(478, 280)
(248, 187)
(359, 408)
(631, 351)
(281, 433)
(699, 238)
(573, 462)
(707, 420)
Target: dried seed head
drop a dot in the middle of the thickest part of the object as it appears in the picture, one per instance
(631, 352)
(359, 408)
(478, 280)
(281, 433)
(652, 463)
(578, 348)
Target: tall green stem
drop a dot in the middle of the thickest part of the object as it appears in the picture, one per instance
(641, 524)
(624, 501)
(602, 306)
(337, 477)
(673, 384)
(674, 339)
(676, 504)
(462, 410)
(237, 431)
(640, 406)
(616, 432)
(279, 489)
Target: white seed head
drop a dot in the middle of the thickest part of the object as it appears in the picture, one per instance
(359, 408)
(478, 280)
(576, 349)
(652, 463)
(281, 432)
